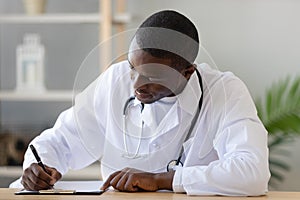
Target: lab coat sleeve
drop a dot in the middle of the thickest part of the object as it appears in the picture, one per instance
(62, 146)
(241, 144)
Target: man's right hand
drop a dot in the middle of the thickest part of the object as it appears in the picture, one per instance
(35, 178)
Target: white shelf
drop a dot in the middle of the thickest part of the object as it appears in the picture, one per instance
(11, 171)
(57, 18)
(55, 95)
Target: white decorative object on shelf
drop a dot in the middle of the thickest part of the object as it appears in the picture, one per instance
(30, 64)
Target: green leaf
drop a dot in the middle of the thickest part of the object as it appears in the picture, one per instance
(269, 104)
(276, 176)
(286, 122)
(278, 139)
(295, 90)
(279, 164)
(279, 111)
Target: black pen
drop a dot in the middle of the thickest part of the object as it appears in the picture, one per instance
(37, 157)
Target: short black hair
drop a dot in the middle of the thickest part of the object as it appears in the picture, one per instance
(184, 46)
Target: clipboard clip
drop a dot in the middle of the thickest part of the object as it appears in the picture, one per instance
(57, 191)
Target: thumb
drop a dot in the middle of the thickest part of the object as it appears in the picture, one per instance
(55, 175)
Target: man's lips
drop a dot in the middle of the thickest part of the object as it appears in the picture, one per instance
(142, 95)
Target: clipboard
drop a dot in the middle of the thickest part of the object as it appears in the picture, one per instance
(68, 188)
(59, 192)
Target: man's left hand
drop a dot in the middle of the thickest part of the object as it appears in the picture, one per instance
(133, 180)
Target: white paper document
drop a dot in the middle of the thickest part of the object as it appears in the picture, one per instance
(69, 187)
(78, 185)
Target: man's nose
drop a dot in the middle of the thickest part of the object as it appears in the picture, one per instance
(140, 81)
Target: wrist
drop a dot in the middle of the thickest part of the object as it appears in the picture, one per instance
(164, 180)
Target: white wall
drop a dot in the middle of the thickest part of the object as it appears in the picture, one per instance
(258, 40)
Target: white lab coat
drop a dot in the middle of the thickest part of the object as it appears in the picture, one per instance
(226, 154)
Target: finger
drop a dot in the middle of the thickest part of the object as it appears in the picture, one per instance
(37, 182)
(38, 171)
(121, 182)
(31, 185)
(31, 182)
(25, 185)
(56, 175)
(26, 182)
(106, 184)
(116, 179)
(40, 177)
(131, 185)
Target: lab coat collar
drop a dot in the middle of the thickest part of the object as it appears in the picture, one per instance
(188, 99)
(169, 121)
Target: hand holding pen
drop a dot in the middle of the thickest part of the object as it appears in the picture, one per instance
(39, 176)
(37, 157)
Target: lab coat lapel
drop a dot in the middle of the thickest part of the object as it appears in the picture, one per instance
(169, 121)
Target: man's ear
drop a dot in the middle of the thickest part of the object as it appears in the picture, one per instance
(188, 71)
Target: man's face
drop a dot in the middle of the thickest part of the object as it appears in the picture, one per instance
(153, 77)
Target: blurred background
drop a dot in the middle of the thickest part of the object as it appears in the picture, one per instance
(256, 40)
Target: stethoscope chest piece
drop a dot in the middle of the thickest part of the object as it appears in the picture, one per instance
(174, 163)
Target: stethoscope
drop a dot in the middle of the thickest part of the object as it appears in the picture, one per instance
(127, 155)
(173, 163)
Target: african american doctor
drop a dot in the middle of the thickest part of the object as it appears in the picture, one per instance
(159, 121)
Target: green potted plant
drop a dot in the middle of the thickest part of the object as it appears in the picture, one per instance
(279, 111)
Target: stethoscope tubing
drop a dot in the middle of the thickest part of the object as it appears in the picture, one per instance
(196, 116)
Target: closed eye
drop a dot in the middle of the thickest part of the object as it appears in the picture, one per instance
(130, 65)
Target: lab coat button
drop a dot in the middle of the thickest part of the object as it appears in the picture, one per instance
(156, 145)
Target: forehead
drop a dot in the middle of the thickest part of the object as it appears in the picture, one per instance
(147, 65)
(138, 56)
(141, 57)
(157, 70)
